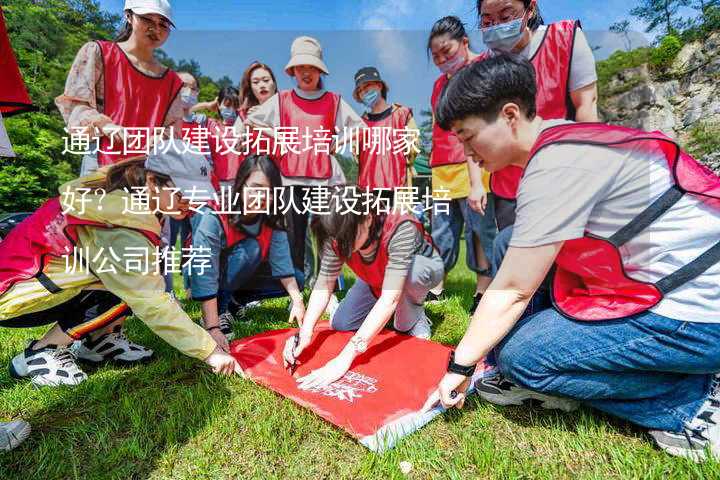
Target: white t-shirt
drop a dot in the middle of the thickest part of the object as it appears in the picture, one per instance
(5, 146)
(582, 65)
(567, 190)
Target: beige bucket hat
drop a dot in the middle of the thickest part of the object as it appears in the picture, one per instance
(306, 51)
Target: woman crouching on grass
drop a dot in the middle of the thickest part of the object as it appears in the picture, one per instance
(113, 238)
(238, 242)
(396, 265)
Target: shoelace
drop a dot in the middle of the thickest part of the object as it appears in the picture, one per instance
(65, 357)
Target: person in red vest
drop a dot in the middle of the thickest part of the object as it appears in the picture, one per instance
(237, 243)
(303, 121)
(383, 162)
(631, 226)
(567, 87)
(449, 46)
(84, 262)
(396, 265)
(119, 92)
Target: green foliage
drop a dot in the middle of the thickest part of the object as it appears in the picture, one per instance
(663, 56)
(704, 139)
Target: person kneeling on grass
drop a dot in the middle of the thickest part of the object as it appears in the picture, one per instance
(631, 225)
(396, 265)
(237, 244)
(110, 237)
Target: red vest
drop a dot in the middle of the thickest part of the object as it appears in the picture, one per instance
(379, 166)
(446, 148)
(373, 273)
(132, 99)
(25, 252)
(552, 64)
(315, 116)
(590, 281)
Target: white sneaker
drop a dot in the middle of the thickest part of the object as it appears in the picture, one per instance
(225, 321)
(49, 366)
(13, 434)
(113, 346)
(421, 328)
(332, 307)
(499, 390)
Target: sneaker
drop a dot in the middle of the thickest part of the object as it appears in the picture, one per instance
(48, 366)
(499, 390)
(421, 328)
(13, 434)
(700, 437)
(225, 321)
(114, 346)
(333, 305)
(476, 302)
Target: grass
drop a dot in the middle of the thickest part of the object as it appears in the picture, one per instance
(171, 418)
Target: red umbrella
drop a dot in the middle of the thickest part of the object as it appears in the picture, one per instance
(13, 95)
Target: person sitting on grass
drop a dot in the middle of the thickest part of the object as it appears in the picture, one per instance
(396, 265)
(83, 262)
(630, 223)
(237, 243)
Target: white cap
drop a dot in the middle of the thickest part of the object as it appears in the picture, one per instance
(143, 7)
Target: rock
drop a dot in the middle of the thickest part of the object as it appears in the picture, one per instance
(712, 160)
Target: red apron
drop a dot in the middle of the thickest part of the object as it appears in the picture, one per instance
(446, 148)
(133, 100)
(552, 63)
(48, 232)
(378, 167)
(316, 118)
(373, 273)
(13, 95)
(590, 281)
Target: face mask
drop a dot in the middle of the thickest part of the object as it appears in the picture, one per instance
(453, 65)
(370, 99)
(188, 98)
(504, 37)
(228, 113)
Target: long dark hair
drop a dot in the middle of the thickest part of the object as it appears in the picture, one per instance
(534, 22)
(247, 96)
(341, 226)
(450, 25)
(126, 30)
(251, 164)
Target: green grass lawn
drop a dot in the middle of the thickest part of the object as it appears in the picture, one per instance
(172, 418)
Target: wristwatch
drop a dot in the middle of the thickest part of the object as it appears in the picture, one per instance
(359, 344)
(459, 369)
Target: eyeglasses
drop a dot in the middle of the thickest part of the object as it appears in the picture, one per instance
(505, 16)
(163, 25)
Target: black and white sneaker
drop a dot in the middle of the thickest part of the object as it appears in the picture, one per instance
(48, 366)
(13, 434)
(113, 346)
(499, 390)
(700, 438)
(225, 321)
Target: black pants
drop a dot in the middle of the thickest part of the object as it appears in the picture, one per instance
(78, 317)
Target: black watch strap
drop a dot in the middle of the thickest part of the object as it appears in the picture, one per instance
(459, 369)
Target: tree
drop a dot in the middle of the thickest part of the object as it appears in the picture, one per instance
(659, 15)
(623, 28)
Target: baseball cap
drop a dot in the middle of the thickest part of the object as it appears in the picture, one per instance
(143, 7)
(189, 170)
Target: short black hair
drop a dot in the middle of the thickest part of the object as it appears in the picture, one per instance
(484, 87)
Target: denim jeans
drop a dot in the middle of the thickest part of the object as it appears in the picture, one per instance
(425, 274)
(648, 369)
(447, 229)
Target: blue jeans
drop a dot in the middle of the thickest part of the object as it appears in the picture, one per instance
(447, 229)
(651, 370)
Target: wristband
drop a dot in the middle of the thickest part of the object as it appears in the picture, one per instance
(459, 369)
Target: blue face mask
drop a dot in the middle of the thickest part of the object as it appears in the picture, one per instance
(504, 37)
(228, 114)
(370, 98)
